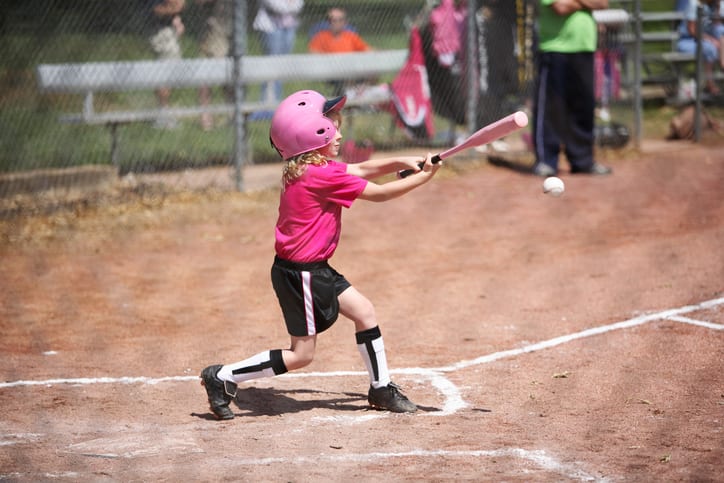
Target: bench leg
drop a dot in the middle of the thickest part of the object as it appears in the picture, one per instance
(247, 139)
(114, 144)
(452, 141)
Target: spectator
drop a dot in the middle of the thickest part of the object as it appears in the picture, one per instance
(215, 43)
(277, 22)
(338, 38)
(325, 25)
(712, 43)
(167, 28)
(565, 102)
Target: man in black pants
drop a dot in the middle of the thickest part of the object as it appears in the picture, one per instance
(564, 96)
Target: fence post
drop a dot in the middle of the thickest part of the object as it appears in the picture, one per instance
(637, 98)
(699, 78)
(472, 98)
(239, 50)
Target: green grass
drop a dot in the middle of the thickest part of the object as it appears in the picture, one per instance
(32, 136)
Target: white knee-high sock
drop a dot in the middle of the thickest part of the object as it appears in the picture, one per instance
(372, 349)
(265, 364)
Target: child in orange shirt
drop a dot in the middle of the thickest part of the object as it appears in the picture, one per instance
(337, 38)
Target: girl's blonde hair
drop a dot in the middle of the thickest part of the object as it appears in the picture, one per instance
(296, 166)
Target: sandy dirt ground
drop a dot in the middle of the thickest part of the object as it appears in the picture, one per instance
(545, 339)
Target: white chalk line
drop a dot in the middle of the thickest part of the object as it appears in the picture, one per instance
(454, 401)
(537, 457)
(17, 438)
(433, 373)
(79, 381)
(626, 324)
(72, 475)
(700, 323)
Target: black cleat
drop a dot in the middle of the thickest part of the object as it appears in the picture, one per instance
(389, 398)
(220, 392)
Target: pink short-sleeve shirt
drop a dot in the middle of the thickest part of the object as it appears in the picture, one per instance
(310, 212)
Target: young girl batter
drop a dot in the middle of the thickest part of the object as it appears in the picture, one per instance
(305, 130)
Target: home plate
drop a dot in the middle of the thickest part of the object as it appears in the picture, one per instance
(133, 446)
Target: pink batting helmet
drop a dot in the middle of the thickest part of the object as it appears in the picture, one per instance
(299, 124)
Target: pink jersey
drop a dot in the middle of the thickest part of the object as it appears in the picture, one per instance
(310, 212)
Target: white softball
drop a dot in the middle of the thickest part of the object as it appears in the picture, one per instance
(553, 186)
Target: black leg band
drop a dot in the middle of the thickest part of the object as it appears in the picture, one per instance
(277, 362)
(368, 335)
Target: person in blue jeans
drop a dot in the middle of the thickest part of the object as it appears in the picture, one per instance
(712, 33)
(277, 22)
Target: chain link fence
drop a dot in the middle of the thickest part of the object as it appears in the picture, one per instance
(48, 143)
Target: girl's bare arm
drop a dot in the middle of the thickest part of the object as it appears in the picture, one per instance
(398, 187)
(375, 168)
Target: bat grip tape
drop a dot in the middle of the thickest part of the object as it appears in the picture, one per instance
(407, 172)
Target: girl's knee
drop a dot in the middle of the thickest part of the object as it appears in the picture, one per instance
(368, 311)
(367, 317)
(299, 359)
(301, 352)
(305, 359)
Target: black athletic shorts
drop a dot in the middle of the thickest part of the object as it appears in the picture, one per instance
(307, 294)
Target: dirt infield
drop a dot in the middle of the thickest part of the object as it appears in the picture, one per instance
(545, 339)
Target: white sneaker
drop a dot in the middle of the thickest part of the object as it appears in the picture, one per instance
(604, 115)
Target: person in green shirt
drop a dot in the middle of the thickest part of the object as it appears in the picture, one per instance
(563, 113)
